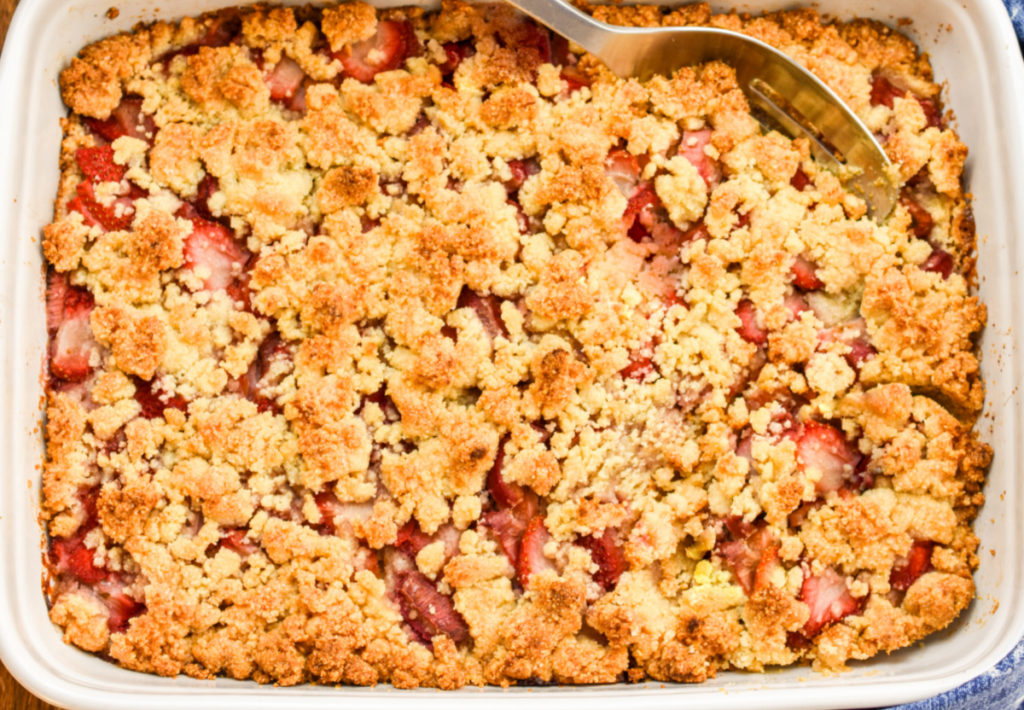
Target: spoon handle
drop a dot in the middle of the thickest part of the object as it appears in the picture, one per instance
(566, 20)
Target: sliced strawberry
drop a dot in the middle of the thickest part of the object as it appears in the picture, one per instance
(795, 304)
(213, 247)
(120, 610)
(641, 363)
(97, 164)
(823, 447)
(254, 385)
(284, 79)
(116, 216)
(854, 334)
(72, 557)
(521, 170)
(67, 316)
(125, 120)
(624, 170)
(639, 217)
(939, 261)
(606, 553)
(921, 221)
(574, 78)
(829, 600)
(751, 556)
(531, 551)
(800, 180)
(454, 53)
(504, 494)
(411, 539)
(805, 275)
(487, 309)
(388, 49)
(906, 570)
(931, 112)
(884, 91)
(337, 518)
(237, 540)
(508, 528)
(750, 330)
(427, 611)
(692, 147)
(154, 403)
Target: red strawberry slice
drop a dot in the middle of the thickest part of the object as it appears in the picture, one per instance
(120, 607)
(521, 170)
(823, 447)
(800, 180)
(939, 261)
(931, 112)
(624, 170)
(427, 611)
(921, 221)
(751, 557)
(884, 91)
(504, 493)
(116, 216)
(750, 330)
(237, 540)
(387, 49)
(829, 599)
(640, 218)
(213, 247)
(454, 53)
(907, 569)
(72, 557)
(125, 120)
(795, 304)
(574, 78)
(337, 518)
(97, 164)
(692, 146)
(531, 551)
(284, 79)
(641, 363)
(508, 528)
(607, 555)
(153, 402)
(487, 309)
(805, 275)
(67, 316)
(411, 539)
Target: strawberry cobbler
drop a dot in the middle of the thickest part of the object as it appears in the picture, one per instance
(409, 347)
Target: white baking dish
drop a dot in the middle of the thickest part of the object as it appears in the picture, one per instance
(972, 46)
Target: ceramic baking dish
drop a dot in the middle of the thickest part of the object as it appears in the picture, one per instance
(972, 47)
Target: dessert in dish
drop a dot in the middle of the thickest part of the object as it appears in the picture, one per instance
(395, 346)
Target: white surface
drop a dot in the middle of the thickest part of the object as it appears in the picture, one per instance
(972, 46)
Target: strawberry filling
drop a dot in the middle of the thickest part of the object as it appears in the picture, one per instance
(284, 80)
(906, 570)
(921, 221)
(388, 49)
(213, 253)
(487, 309)
(154, 402)
(125, 120)
(532, 559)
(607, 554)
(805, 276)
(800, 180)
(749, 329)
(428, 612)
(693, 147)
(824, 449)
(116, 216)
(751, 556)
(97, 164)
(829, 601)
(72, 345)
(939, 261)
(237, 540)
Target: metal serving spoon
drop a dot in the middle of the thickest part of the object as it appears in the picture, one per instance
(787, 94)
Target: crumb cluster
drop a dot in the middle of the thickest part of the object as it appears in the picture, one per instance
(408, 347)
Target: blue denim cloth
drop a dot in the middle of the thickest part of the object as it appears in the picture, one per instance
(1001, 688)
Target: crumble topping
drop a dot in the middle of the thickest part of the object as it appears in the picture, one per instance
(407, 347)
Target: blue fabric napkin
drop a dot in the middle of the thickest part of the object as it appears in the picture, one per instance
(1001, 688)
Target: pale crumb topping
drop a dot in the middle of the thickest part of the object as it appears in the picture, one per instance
(417, 348)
